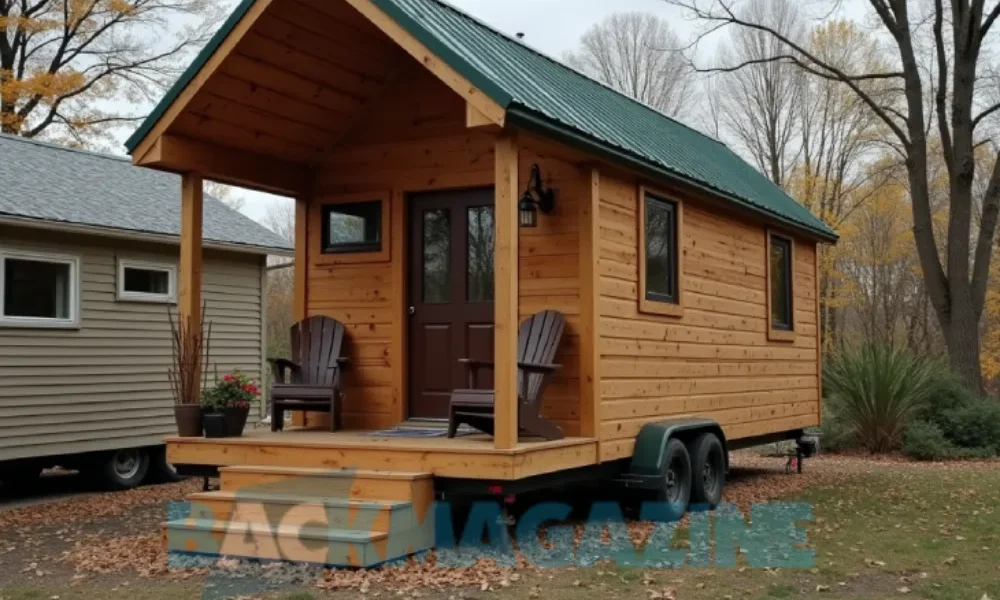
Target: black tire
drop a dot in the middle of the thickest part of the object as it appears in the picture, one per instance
(124, 469)
(675, 492)
(160, 470)
(708, 465)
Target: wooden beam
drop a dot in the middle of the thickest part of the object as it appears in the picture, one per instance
(475, 118)
(301, 258)
(590, 357)
(189, 297)
(449, 76)
(181, 154)
(210, 67)
(505, 271)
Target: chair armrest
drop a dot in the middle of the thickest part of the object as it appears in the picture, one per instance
(343, 363)
(280, 365)
(538, 368)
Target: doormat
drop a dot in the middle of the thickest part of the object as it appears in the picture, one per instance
(419, 432)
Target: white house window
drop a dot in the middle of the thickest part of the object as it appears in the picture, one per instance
(39, 289)
(140, 281)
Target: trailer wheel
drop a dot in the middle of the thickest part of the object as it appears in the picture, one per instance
(708, 462)
(124, 469)
(676, 486)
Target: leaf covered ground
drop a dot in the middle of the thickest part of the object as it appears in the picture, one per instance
(881, 529)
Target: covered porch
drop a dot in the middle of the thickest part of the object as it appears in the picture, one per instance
(336, 105)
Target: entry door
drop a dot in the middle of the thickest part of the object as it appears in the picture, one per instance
(451, 295)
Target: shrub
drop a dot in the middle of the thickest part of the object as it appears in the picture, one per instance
(926, 441)
(877, 389)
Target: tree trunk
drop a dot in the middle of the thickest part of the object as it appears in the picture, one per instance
(961, 335)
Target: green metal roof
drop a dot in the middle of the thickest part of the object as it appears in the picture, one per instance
(546, 96)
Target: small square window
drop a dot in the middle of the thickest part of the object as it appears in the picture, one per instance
(353, 227)
(147, 282)
(38, 290)
(780, 283)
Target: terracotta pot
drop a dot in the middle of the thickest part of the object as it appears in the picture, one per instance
(188, 417)
(236, 420)
(215, 425)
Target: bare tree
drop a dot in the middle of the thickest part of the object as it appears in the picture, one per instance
(74, 67)
(756, 102)
(226, 194)
(957, 30)
(639, 55)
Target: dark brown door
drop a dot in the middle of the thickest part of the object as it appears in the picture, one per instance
(451, 294)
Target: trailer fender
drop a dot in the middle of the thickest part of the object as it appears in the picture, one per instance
(651, 443)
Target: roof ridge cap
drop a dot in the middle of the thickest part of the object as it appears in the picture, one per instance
(579, 73)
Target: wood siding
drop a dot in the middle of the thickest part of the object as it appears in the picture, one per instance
(715, 360)
(104, 385)
(414, 140)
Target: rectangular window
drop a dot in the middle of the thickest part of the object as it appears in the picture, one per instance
(780, 283)
(38, 289)
(353, 227)
(140, 281)
(660, 264)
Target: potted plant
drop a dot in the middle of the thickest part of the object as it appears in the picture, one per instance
(227, 405)
(190, 349)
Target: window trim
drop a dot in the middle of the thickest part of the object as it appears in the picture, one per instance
(674, 308)
(778, 332)
(126, 296)
(318, 224)
(73, 322)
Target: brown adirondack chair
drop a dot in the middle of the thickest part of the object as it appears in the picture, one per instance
(537, 340)
(314, 372)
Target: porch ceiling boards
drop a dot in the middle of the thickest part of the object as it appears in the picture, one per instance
(292, 85)
(470, 457)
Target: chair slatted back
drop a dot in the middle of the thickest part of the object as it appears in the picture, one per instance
(316, 346)
(537, 341)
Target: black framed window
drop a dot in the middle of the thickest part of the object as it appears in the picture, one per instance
(780, 272)
(354, 227)
(661, 250)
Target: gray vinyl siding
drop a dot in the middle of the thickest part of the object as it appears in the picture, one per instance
(104, 386)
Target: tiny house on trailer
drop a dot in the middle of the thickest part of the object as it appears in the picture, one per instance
(451, 182)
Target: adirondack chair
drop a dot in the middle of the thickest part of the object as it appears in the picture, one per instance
(537, 340)
(314, 372)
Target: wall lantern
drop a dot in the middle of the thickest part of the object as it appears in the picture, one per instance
(535, 197)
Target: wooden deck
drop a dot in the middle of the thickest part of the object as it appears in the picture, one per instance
(472, 457)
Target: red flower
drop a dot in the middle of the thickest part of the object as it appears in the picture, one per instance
(228, 378)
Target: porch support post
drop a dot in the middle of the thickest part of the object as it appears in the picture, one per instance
(505, 271)
(301, 257)
(189, 297)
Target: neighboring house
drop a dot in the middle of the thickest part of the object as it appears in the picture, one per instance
(88, 271)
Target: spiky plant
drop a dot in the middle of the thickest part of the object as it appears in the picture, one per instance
(877, 389)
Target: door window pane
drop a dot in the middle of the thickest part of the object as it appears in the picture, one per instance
(661, 250)
(37, 289)
(781, 283)
(481, 242)
(437, 256)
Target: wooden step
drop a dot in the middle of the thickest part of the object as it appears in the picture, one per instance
(329, 483)
(299, 544)
(286, 509)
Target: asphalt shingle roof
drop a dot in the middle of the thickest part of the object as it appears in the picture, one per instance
(52, 183)
(543, 94)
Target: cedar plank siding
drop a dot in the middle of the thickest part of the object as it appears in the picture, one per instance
(715, 360)
(415, 139)
(104, 385)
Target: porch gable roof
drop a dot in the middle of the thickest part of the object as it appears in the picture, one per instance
(544, 95)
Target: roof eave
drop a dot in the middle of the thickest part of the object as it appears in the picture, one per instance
(139, 236)
(520, 116)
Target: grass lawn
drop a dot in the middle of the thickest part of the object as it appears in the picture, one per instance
(880, 530)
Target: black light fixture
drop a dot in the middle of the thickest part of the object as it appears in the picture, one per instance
(535, 197)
